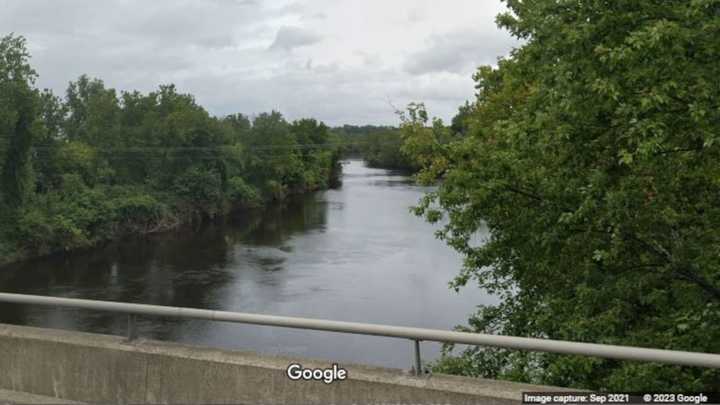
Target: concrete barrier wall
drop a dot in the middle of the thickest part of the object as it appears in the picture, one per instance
(99, 368)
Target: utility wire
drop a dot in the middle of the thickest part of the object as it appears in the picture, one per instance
(223, 147)
(200, 152)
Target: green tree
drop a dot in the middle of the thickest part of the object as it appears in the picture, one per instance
(274, 162)
(94, 112)
(18, 120)
(383, 150)
(240, 127)
(592, 162)
(52, 113)
(461, 121)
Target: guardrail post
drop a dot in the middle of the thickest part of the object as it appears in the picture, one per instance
(132, 327)
(418, 362)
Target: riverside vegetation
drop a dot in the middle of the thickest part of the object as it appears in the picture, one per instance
(98, 164)
(382, 146)
(592, 158)
(379, 146)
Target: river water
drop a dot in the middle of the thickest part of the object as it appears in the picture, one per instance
(351, 254)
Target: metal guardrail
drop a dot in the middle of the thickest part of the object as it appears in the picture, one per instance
(416, 335)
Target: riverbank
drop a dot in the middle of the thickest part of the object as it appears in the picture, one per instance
(50, 230)
(354, 253)
(90, 217)
(164, 219)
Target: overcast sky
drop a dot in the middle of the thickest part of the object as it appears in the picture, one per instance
(341, 61)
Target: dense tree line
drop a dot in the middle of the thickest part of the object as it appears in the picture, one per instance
(591, 157)
(378, 146)
(383, 150)
(381, 146)
(99, 163)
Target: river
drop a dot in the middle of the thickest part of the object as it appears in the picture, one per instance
(351, 254)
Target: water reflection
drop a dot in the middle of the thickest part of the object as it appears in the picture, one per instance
(353, 254)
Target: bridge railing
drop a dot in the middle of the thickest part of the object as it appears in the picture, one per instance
(415, 335)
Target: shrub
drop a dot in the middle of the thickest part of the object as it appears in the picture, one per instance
(240, 191)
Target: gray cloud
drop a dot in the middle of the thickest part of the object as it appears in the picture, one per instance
(288, 38)
(305, 58)
(458, 51)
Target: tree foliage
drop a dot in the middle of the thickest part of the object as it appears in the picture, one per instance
(18, 109)
(591, 160)
(379, 146)
(99, 163)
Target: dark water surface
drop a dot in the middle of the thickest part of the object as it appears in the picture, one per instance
(353, 254)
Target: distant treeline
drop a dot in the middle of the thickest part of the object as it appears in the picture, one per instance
(379, 146)
(99, 163)
(382, 146)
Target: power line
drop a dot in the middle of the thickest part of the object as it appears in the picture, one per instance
(179, 152)
(221, 148)
(225, 147)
